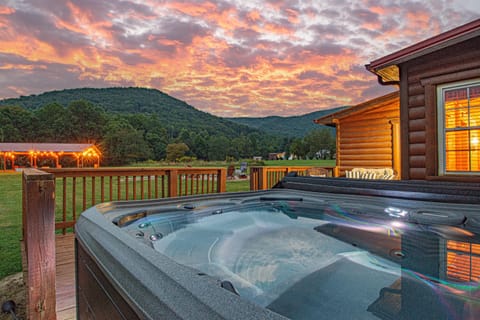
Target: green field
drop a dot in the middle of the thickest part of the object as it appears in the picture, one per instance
(199, 163)
(10, 223)
(289, 163)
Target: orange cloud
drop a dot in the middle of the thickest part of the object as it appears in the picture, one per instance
(254, 15)
(228, 58)
(6, 10)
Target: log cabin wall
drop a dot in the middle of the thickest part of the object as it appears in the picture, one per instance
(366, 138)
(419, 79)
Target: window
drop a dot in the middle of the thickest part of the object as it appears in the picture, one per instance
(463, 261)
(459, 128)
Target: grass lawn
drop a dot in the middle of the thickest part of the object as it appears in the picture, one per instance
(10, 223)
(293, 163)
(238, 185)
(199, 163)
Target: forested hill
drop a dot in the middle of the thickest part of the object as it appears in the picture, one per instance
(175, 114)
(296, 126)
(139, 124)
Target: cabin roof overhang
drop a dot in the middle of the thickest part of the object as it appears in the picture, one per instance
(333, 118)
(387, 67)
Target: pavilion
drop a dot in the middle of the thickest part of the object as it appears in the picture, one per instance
(81, 152)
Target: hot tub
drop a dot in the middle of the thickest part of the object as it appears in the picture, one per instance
(310, 248)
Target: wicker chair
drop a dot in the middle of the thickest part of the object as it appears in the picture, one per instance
(316, 172)
(230, 172)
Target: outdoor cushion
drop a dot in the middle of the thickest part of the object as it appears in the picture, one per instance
(374, 173)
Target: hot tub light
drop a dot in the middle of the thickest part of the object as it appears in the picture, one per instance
(396, 212)
(155, 237)
(143, 225)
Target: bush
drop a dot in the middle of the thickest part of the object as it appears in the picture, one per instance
(187, 159)
(255, 163)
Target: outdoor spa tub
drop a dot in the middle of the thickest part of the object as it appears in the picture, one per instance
(310, 248)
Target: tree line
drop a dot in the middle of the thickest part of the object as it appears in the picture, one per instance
(125, 138)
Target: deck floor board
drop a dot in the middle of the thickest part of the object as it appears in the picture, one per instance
(65, 278)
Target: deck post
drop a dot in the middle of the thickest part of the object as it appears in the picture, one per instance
(222, 180)
(172, 182)
(253, 178)
(39, 239)
(336, 171)
(262, 178)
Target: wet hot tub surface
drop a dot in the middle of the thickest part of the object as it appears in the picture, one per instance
(324, 256)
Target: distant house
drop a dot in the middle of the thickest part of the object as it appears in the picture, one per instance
(34, 153)
(439, 81)
(368, 134)
(276, 156)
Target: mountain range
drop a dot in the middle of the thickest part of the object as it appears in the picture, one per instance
(172, 111)
(294, 126)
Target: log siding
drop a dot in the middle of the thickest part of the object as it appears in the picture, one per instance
(419, 79)
(365, 139)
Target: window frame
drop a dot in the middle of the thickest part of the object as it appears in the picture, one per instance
(441, 129)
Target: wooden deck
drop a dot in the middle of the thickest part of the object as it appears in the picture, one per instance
(65, 278)
(51, 286)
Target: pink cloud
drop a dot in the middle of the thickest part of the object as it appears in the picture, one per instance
(234, 58)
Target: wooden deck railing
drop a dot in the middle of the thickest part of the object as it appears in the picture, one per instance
(38, 202)
(262, 178)
(79, 189)
(52, 201)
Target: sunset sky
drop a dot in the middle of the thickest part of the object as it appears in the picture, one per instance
(229, 58)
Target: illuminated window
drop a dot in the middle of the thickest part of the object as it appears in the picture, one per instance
(459, 128)
(463, 261)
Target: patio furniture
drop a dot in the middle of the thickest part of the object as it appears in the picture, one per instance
(316, 172)
(243, 170)
(231, 172)
(371, 173)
